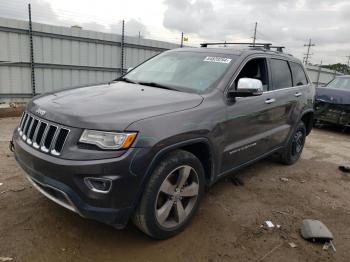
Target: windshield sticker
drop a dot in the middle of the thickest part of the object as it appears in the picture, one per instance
(223, 60)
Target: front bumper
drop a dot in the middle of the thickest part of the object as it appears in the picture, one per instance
(332, 113)
(62, 181)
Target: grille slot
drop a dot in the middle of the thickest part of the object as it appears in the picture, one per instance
(32, 131)
(60, 139)
(51, 130)
(42, 135)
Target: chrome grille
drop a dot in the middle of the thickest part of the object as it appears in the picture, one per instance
(42, 135)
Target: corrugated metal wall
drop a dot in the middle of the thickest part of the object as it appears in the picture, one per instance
(320, 75)
(65, 57)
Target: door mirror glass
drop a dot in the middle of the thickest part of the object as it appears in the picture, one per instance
(247, 87)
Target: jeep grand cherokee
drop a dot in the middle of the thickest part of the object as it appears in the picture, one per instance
(147, 145)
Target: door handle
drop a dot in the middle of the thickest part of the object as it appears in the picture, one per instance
(297, 94)
(270, 101)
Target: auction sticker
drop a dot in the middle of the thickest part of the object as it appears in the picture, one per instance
(214, 59)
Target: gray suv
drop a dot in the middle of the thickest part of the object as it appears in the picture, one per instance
(147, 145)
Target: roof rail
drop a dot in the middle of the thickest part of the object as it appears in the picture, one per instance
(266, 46)
(278, 48)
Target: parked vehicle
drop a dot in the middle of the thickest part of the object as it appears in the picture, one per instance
(148, 144)
(332, 103)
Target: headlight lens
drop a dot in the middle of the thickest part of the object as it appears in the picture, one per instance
(108, 140)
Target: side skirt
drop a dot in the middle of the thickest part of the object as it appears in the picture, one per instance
(248, 163)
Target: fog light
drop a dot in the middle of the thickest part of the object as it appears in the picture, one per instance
(99, 185)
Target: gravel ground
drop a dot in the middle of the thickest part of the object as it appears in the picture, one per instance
(226, 228)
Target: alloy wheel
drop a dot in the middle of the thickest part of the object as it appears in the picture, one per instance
(298, 142)
(177, 196)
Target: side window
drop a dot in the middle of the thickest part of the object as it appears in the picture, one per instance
(299, 77)
(257, 69)
(281, 75)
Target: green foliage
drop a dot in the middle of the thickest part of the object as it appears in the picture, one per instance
(338, 67)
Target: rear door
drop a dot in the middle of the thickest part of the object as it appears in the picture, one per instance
(304, 92)
(287, 95)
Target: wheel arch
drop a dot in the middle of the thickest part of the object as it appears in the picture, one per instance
(308, 118)
(200, 147)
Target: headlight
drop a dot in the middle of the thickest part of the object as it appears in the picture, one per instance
(108, 140)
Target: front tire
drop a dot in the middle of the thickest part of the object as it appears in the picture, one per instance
(172, 195)
(293, 150)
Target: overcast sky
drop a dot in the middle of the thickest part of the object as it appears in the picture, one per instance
(283, 22)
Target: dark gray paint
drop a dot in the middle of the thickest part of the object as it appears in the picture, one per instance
(236, 131)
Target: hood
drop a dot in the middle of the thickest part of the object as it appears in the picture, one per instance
(110, 107)
(333, 96)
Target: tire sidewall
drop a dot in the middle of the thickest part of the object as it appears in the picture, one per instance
(293, 158)
(167, 165)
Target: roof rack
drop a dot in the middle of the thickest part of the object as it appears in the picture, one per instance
(266, 46)
(278, 48)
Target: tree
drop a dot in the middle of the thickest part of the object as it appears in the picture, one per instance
(343, 68)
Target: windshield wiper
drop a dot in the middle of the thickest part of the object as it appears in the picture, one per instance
(154, 84)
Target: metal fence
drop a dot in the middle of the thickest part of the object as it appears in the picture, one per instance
(65, 57)
(41, 58)
(319, 75)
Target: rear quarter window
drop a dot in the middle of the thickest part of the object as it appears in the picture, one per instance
(299, 77)
(281, 74)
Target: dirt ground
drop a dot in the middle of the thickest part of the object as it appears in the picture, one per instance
(226, 228)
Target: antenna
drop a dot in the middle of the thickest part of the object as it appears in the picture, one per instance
(254, 37)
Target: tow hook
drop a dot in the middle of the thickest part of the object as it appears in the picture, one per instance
(11, 146)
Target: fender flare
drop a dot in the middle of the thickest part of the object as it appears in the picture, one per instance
(163, 152)
(307, 111)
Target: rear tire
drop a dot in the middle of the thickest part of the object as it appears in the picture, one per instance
(293, 150)
(172, 195)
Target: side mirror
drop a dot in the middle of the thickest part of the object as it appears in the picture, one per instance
(129, 69)
(247, 87)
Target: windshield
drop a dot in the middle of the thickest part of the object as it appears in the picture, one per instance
(182, 71)
(340, 83)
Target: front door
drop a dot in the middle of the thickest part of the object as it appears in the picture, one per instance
(250, 120)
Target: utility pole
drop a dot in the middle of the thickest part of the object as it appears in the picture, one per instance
(182, 39)
(309, 45)
(319, 74)
(254, 37)
(32, 64)
(122, 49)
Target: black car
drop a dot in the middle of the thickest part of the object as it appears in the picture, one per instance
(332, 103)
(148, 144)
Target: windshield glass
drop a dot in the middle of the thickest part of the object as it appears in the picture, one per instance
(340, 83)
(183, 71)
